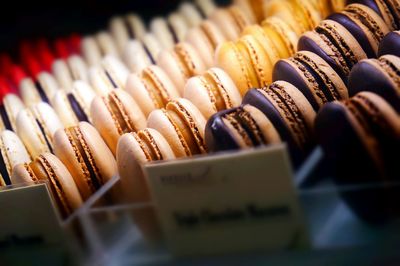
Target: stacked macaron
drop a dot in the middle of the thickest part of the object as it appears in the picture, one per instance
(360, 138)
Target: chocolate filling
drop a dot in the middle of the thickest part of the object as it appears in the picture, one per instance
(5, 118)
(3, 171)
(41, 92)
(149, 55)
(76, 107)
(251, 127)
(111, 79)
(173, 33)
(44, 135)
(131, 32)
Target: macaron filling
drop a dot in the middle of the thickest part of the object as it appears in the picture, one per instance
(77, 108)
(186, 64)
(172, 31)
(109, 76)
(209, 35)
(121, 119)
(83, 154)
(149, 54)
(44, 134)
(392, 71)
(5, 118)
(149, 145)
(155, 88)
(41, 92)
(4, 171)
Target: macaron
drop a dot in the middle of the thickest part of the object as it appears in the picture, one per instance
(133, 151)
(77, 67)
(387, 9)
(390, 44)
(291, 114)
(115, 114)
(252, 8)
(381, 76)
(206, 7)
(41, 91)
(86, 156)
(124, 28)
(106, 44)
(36, 126)
(151, 89)
(212, 92)
(151, 46)
(246, 62)
(9, 110)
(164, 34)
(364, 24)
(205, 38)
(360, 138)
(135, 56)
(231, 21)
(282, 35)
(182, 125)
(181, 63)
(62, 74)
(334, 44)
(300, 15)
(47, 167)
(178, 26)
(191, 14)
(313, 77)
(13, 152)
(91, 51)
(99, 80)
(74, 106)
(115, 70)
(242, 127)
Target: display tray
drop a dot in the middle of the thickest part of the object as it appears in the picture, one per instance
(103, 232)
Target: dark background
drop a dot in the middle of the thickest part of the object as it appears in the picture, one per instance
(36, 19)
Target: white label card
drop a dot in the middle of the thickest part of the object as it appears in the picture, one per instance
(28, 219)
(228, 202)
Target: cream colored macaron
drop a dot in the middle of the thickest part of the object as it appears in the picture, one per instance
(62, 74)
(115, 114)
(205, 38)
(152, 46)
(74, 106)
(47, 167)
(9, 110)
(151, 89)
(106, 44)
(206, 7)
(115, 70)
(182, 125)
(41, 91)
(99, 81)
(36, 126)
(91, 51)
(124, 28)
(135, 56)
(190, 13)
(159, 27)
(13, 152)
(212, 92)
(181, 63)
(86, 156)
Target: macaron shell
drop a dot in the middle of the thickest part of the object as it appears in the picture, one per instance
(115, 70)
(205, 39)
(99, 81)
(100, 154)
(63, 108)
(65, 180)
(28, 92)
(78, 68)
(84, 94)
(130, 159)
(90, 51)
(106, 44)
(13, 150)
(12, 105)
(135, 56)
(179, 26)
(159, 27)
(48, 83)
(190, 14)
(105, 122)
(136, 24)
(119, 32)
(390, 44)
(179, 71)
(152, 45)
(62, 74)
(206, 6)
(229, 58)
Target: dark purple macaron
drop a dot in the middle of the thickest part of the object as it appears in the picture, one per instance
(390, 44)
(239, 128)
(335, 45)
(389, 10)
(312, 76)
(381, 76)
(364, 24)
(360, 137)
(291, 114)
